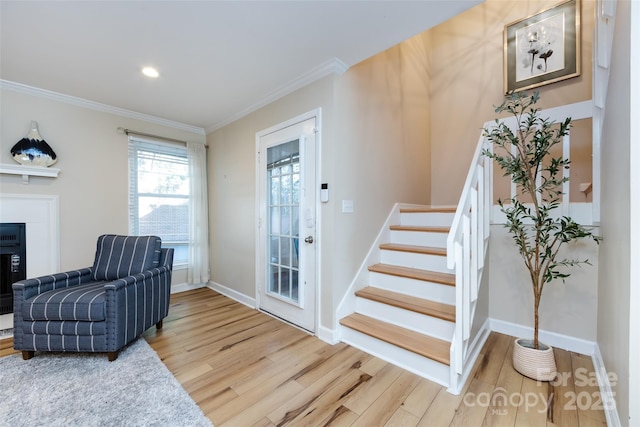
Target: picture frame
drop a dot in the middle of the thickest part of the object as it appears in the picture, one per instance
(543, 48)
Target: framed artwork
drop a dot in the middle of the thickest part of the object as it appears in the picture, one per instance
(543, 48)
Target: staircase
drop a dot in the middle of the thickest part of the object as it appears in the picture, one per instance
(413, 300)
(406, 312)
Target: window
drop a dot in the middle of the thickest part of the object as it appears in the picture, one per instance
(159, 194)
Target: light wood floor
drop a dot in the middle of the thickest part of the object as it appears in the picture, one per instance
(244, 368)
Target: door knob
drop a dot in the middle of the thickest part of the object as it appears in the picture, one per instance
(308, 239)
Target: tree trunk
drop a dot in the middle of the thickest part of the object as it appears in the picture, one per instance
(535, 322)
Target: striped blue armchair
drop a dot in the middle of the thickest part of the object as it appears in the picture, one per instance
(101, 308)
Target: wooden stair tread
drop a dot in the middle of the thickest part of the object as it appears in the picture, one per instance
(423, 345)
(414, 248)
(419, 228)
(427, 209)
(414, 273)
(419, 305)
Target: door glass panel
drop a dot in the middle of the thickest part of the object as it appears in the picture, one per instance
(285, 218)
(275, 186)
(285, 188)
(295, 190)
(283, 173)
(274, 248)
(294, 223)
(274, 278)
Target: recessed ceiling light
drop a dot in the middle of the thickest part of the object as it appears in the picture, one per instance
(150, 72)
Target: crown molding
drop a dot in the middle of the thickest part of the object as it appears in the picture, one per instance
(92, 105)
(333, 66)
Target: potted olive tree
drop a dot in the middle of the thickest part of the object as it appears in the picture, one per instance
(524, 154)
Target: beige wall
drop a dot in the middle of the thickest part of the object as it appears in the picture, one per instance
(374, 151)
(466, 64)
(466, 60)
(232, 183)
(93, 159)
(567, 308)
(615, 263)
(381, 150)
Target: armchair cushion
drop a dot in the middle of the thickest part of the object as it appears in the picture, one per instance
(86, 302)
(122, 256)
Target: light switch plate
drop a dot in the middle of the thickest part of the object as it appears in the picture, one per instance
(347, 206)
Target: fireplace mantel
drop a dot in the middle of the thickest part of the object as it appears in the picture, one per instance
(28, 171)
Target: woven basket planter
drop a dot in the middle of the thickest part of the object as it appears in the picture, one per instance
(539, 365)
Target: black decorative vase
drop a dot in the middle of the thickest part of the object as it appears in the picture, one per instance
(33, 150)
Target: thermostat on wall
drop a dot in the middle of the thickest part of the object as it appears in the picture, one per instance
(324, 192)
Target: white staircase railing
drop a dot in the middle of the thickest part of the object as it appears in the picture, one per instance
(466, 246)
(468, 238)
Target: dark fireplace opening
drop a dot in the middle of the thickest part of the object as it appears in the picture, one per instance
(13, 261)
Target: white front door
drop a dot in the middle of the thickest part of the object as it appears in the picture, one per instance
(287, 221)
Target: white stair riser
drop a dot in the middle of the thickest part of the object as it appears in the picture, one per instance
(415, 260)
(412, 362)
(419, 238)
(426, 325)
(434, 219)
(418, 288)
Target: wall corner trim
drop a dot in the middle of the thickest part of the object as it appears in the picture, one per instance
(607, 394)
(330, 336)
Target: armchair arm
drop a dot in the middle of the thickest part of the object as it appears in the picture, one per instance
(136, 280)
(166, 257)
(28, 288)
(135, 303)
(25, 289)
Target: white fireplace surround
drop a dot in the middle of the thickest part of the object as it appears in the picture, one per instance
(40, 213)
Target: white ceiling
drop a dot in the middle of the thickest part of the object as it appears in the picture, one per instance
(217, 60)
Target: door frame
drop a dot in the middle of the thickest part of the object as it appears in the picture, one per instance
(317, 115)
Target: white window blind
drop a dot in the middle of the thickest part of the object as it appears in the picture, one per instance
(159, 194)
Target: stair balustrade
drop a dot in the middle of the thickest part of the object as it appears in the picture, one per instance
(468, 237)
(466, 247)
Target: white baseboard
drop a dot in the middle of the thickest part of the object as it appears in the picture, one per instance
(553, 339)
(606, 392)
(327, 335)
(183, 287)
(330, 336)
(233, 294)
